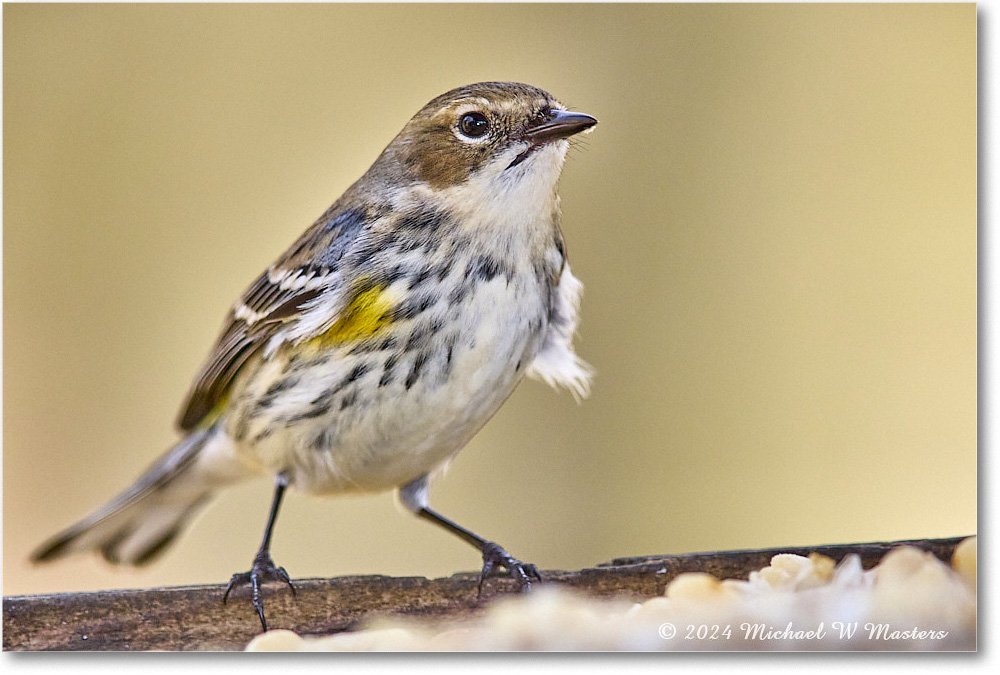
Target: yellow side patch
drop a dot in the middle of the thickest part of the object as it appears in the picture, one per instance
(216, 412)
(366, 314)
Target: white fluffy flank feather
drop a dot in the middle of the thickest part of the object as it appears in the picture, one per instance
(557, 364)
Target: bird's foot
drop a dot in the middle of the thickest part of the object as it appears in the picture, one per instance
(263, 570)
(495, 558)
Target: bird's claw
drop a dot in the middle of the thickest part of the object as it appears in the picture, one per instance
(495, 558)
(263, 570)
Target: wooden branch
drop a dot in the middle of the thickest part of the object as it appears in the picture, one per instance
(194, 618)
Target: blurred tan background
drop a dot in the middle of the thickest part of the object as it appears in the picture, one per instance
(775, 222)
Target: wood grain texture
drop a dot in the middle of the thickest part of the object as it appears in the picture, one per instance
(194, 618)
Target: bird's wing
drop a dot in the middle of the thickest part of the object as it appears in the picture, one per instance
(277, 300)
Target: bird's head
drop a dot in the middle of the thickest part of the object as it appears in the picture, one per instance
(501, 132)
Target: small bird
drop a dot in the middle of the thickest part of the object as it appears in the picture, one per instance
(374, 348)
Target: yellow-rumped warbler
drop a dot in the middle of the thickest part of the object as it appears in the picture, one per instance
(371, 352)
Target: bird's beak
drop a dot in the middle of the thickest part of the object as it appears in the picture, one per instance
(561, 124)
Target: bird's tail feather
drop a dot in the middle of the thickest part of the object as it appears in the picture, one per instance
(137, 525)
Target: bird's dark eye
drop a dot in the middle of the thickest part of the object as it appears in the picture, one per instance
(473, 124)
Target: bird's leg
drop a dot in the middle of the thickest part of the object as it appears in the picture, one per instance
(263, 568)
(494, 557)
